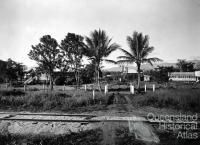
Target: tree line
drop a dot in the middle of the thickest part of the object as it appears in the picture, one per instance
(11, 71)
(67, 56)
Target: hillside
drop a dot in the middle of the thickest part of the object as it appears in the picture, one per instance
(143, 67)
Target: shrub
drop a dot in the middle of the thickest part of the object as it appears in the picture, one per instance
(12, 92)
(60, 81)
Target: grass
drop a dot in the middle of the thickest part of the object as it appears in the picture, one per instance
(43, 101)
(186, 99)
(12, 92)
(182, 96)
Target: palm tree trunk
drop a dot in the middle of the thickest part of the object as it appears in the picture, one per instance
(138, 82)
(76, 78)
(98, 83)
(97, 77)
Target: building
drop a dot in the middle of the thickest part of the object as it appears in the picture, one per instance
(147, 78)
(184, 76)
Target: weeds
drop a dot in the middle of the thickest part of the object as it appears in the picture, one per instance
(181, 98)
(12, 92)
(42, 101)
(184, 97)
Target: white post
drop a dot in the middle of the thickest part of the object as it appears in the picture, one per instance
(153, 87)
(93, 94)
(85, 87)
(43, 87)
(64, 87)
(132, 89)
(106, 89)
(145, 88)
(24, 87)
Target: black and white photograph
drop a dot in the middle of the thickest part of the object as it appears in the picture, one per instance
(99, 72)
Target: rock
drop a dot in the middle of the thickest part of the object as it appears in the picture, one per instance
(4, 127)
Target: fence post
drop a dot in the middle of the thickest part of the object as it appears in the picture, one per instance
(93, 94)
(132, 89)
(145, 88)
(24, 87)
(106, 89)
(153, 87)
(85, 87)
(43, 87)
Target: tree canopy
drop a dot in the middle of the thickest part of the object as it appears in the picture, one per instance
(185, 66)
(72, 52)
(98, 47)
(139, 52)
(47, 55)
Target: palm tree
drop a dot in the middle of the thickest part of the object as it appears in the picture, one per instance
(139, 50)
(98, 47)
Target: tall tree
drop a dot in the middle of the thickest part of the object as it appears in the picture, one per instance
(11, 73)
(182, 65)
(99, 47)
(87, 73)
(185, 66)
(139, 51)
(20, 70)
(197, 66)
(72, 50)
(46, 54)
(14, 71)
(160, 74)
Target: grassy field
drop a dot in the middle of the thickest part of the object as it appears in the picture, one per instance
(174, 96)
(184, 97)
(47, 100)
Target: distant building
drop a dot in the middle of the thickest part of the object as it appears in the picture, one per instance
(125, 73)
(132, 73)
(184, 76)
(147, 78)
(127, 70)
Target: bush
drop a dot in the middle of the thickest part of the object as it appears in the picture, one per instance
(12, 92)
(60, 81)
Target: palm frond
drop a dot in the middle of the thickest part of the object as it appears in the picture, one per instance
(111, 49)
(126, 52)
(125, 57)
(110, 61)
(146, 51)
(125, 61)
(151, 60)
(132, 45)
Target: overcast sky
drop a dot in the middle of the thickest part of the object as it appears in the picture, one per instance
(173, 25)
